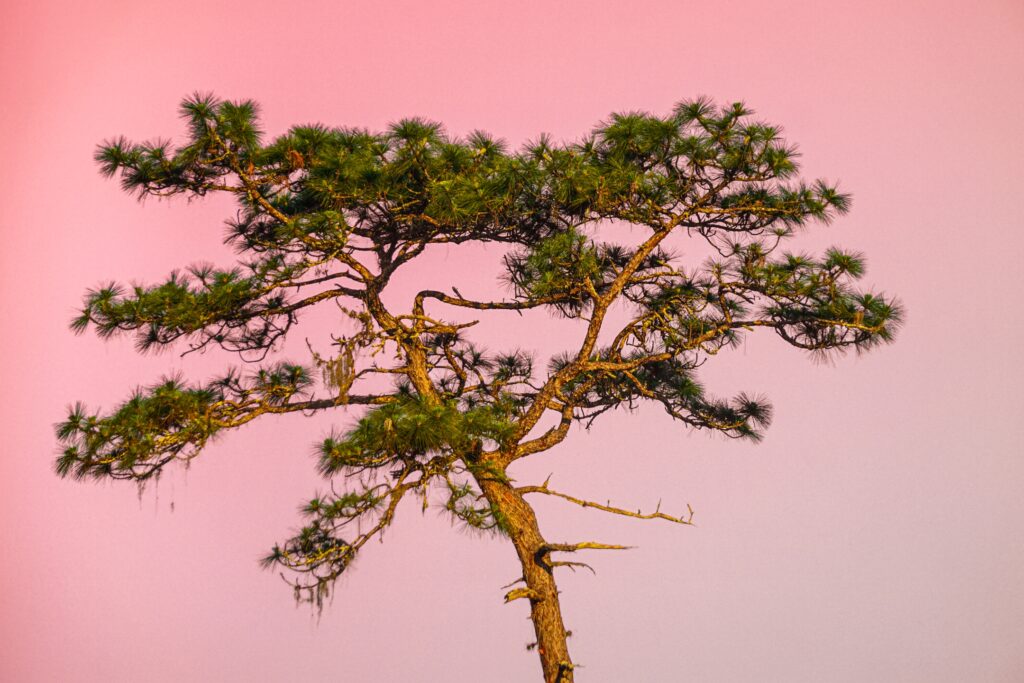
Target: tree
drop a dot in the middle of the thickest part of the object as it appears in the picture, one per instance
(332, 214)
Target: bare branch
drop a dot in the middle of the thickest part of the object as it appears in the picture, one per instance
(657, 514)
(585, 545)
(518, 593)
(573, 565)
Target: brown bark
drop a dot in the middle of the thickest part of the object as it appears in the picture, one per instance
(534, 556)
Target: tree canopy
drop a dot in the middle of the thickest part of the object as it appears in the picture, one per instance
(330, 215)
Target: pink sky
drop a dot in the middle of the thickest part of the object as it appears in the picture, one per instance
(875, 535)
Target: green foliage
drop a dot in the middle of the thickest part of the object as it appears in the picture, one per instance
(169, 420)
(410, 428)
(465, 504)
(161, 422)
(562, 268)
(559, 265)
(317, 546)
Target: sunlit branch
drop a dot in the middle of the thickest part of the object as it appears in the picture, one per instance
(657, 514)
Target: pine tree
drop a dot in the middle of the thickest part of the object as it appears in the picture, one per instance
(330, 215)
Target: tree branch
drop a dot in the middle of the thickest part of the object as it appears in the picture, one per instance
(657, 514)
(585, 545)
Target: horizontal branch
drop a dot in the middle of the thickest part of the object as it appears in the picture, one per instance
(585, 545)
(517, 593)
(657, 514)
(484, 305)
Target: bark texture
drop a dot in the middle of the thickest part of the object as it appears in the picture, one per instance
(541, 591)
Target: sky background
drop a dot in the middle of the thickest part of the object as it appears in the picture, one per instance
(876, 534)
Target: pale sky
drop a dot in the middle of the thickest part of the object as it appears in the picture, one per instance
(875, 534)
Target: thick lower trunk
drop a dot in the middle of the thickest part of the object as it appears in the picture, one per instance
(541, 590)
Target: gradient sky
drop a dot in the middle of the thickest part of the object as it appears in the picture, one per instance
(875, 535)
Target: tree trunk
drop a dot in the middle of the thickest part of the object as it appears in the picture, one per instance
(541, 591)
